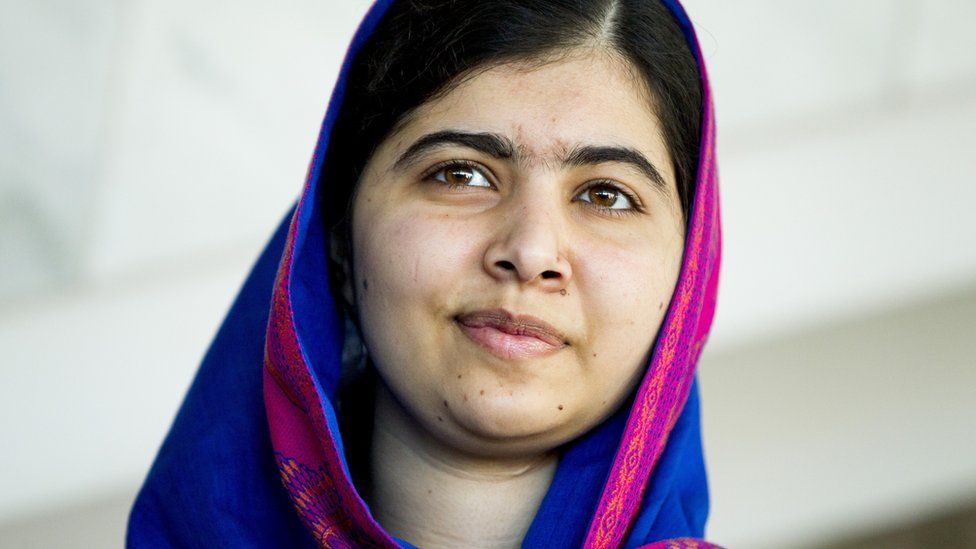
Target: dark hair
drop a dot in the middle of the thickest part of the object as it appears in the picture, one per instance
(422, 49)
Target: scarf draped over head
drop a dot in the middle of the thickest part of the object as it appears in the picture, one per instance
(255, 458)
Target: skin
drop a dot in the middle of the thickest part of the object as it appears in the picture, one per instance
(465, 443)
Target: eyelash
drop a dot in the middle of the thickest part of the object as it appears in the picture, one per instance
(441, 166)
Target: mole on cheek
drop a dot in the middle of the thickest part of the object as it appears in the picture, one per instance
(560, 407)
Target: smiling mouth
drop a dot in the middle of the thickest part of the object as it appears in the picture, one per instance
(511, 337)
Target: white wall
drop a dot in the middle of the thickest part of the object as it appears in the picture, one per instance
(149, 147)
(852, 426)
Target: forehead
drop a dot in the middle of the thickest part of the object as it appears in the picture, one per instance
(548, 109)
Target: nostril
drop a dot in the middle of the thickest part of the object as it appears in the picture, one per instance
(507, 265)
(550, 274)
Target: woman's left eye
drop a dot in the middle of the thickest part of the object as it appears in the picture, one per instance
(460, 175)
(608, 196)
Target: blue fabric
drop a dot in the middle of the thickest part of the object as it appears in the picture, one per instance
(215, 483)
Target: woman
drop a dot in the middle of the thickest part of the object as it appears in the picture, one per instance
(498, 280)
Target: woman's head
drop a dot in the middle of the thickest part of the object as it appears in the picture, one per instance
(521, 158)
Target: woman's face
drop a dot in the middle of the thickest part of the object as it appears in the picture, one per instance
(541, 192)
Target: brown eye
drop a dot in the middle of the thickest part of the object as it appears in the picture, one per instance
(607, 196)
(460, 175)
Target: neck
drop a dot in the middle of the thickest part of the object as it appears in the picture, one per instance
(433, 496)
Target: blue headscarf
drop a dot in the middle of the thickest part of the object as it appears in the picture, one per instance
(217, 480)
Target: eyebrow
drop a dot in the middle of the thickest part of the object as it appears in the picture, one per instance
(499, 146)
(597, 154)
(491, 144)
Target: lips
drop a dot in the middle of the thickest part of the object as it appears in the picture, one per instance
(511, 336)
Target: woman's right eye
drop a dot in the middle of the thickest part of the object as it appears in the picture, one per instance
(458, 174)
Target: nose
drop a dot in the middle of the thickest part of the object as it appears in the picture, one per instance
(527, 248)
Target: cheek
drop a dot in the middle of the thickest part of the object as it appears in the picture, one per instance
(629, 285)
(625, 296)
(407, 262)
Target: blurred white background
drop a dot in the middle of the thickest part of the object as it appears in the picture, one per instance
(148, 148)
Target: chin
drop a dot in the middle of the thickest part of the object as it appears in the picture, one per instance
(506, 421)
